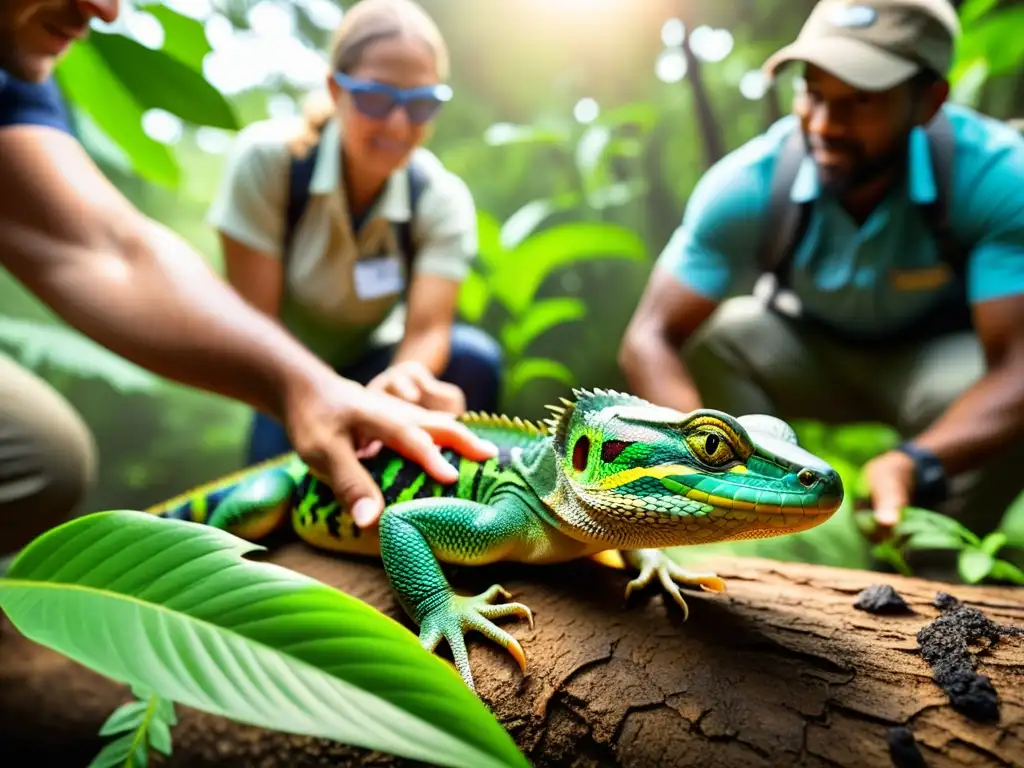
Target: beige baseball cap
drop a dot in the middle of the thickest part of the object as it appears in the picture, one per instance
(874, 45)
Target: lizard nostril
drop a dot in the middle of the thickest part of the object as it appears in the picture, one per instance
(807, 477)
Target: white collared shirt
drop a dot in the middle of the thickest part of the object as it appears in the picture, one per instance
(321, 305)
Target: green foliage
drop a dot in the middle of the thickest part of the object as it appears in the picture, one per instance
(184, 38)
(593, 156)
(148, 721)
(37, 345)
(512, 271)
(174, 608)
(923, 529)
(115, 80)
(991, 45)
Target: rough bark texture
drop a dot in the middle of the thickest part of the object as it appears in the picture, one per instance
(781, 670)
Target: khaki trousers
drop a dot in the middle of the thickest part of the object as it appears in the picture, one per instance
(748, 359)
(47, 457)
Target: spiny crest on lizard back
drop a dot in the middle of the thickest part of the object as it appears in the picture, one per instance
(502, 421)
(586, 402)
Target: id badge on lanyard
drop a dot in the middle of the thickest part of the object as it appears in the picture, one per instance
(379, 276)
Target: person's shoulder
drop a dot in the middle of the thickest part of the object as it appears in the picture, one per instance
(439, 180)
(432, 167)
(987, 178)
(26, 103)
(981, 133)
(985, 147)
(268, 140)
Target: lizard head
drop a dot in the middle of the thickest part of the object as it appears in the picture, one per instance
(659, 477)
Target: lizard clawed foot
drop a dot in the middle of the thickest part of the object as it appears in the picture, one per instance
(458, 614)
(653, 562)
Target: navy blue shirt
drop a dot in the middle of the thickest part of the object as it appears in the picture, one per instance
(23, 103)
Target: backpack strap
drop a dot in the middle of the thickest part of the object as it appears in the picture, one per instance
(300, 173)
(417, 183)
(942, 148)
(786, 220)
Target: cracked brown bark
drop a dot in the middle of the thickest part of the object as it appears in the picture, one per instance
(780, 670)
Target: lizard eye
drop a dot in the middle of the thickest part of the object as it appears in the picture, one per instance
(709, 447)
(580, 453)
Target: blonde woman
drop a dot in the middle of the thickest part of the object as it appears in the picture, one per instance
(329, 221)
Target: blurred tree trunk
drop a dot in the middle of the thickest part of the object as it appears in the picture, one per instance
(780, 670)
(710, 130)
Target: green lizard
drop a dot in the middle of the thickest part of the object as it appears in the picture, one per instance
(607, 472)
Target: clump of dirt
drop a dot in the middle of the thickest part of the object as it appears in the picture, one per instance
(881, 598)
(946, 644)
(903, 749)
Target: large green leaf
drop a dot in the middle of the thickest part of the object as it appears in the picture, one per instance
(540, 317)
(972, 10)
(158, 80)
(184, 38)
(521, 224)
(994, 39)
(537, 257)
(489, 239)
(531, 368)
(474, 296)
(89, 84)
(172, 607)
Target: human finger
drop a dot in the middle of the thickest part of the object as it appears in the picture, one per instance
(352, 484)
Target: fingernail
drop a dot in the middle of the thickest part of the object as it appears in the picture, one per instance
(886, 518)
(364, 512)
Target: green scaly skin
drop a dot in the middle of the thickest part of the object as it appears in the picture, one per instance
(606, 472)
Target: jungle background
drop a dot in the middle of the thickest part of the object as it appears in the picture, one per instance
(581, 127)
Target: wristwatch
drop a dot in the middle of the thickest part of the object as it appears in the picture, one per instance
(931, 486)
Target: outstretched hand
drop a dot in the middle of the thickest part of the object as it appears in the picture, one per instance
(330, 423)
(890, 479)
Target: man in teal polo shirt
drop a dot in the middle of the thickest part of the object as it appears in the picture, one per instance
(902, 296)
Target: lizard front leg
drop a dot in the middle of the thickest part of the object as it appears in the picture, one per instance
(651, 562)
(414, 535)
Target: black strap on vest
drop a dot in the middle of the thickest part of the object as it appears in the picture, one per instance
(786, 221)
(300, 174)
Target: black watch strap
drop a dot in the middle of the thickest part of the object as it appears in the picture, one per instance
(931, 486)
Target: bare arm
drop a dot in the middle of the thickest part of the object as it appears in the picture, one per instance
(258, 277)
(428, 322)
(668, 313)
(990, 414)
(130, 283)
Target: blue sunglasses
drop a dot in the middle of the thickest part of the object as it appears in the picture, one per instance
(377, 100)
